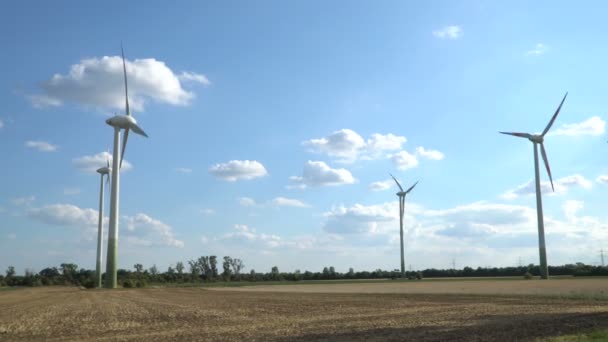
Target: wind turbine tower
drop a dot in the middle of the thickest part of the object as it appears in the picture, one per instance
(538, 139)
(103, 171)
(118, 122)
(401, 194)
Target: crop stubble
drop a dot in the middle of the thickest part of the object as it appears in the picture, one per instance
(198, 314)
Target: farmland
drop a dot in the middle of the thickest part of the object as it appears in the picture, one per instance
(424, 311)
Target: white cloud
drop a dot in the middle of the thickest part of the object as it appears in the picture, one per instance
(71, 191)
(348, 145)
(382, 185)
(154, 231)
(194, 77)
(238, 170)
(246, 202)
(593, 126)
(41, 146)
(602, 179)
(24, 201)
(207, 211)
(429, 154)
(184, 170)
(561, 185)
(359, 218)
(404, 161)
(1, 124)
(12, 236)
(90, 164)
(245, 234)
(67, 215)
(289, 202)
(98, 82)
(317, 173)
(538, 50)
(449, 32)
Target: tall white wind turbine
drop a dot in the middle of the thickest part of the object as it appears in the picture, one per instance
(401, 194)
(128, 123)
(103, 171)
(538, 139)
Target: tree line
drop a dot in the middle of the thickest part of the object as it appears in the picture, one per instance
(205, 269)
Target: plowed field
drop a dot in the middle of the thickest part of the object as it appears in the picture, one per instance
(199, 314)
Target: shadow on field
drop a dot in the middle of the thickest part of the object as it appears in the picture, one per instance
(488, 328)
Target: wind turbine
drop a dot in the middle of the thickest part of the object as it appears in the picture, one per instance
(128, 123)
(401, 194)
(103, 171)
(538, 139)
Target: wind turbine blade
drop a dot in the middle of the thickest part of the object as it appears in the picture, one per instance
(399, 185)
(107, 179)
(515, 134)
(411, 188)
(124, 69)
(124, 145)
(136, 129)
(544, 154)
(554, 116)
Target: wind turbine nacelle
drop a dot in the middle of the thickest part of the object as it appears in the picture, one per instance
(121, 121)
(104, 170)
(402, 193)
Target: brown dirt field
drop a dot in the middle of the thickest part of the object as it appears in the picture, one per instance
(197, 314)
(556, 287)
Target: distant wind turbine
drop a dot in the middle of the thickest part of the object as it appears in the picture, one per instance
(104, 171)
(401, 194)
(126, 122)
(538, 139)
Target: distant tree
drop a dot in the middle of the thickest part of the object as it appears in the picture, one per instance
(49, 272)
(10, 272)
(213, 266)
(351, 273)
(325, 273)
(297, 275)
(138, 268)
(204, 266)
(153, 270)
(194, 269)
(179, 267)
(170, 270)
(68, 271)
(237, 265)
(332, 272)
(226, 266)
(274, 273)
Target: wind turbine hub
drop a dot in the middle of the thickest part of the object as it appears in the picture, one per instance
(401, 194)
(121, 121)
(537, 138)
(104, 170)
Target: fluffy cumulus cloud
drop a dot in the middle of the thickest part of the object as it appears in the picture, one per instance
(539, 49)
(359, 218)
(238, 170)
(317, 173)
(404, 160)
(348, 145)
(289, 202)
(91, 163)
(243, 233)
(149, 231)
(593, 126)
(449, 32)
(382, 185)
(246, 202)
(98, 82)
(67, 215)
(561, 185)
(41, 146)
(429, 154)
(602, 179)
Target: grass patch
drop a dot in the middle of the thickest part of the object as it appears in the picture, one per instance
(594, 336)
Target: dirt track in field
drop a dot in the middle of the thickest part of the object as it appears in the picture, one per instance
(197, 314)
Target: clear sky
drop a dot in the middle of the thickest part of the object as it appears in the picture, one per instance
(273, 126)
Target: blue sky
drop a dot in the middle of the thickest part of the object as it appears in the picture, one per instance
(273, 127)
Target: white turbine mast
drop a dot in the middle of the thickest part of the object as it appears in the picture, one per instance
(103, 171)
(128, 123)
(401, 194)
(538, 139)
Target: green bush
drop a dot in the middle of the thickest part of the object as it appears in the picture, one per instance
(140, 283)
(127, 284)
(89, 283)
(528, 275)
